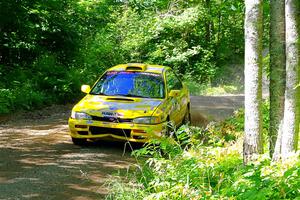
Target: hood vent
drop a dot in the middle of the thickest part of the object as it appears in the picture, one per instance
(119, 99)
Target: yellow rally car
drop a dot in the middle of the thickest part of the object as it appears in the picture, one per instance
(130, 102)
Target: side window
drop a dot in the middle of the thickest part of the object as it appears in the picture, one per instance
(173, 83)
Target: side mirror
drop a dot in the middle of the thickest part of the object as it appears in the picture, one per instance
(174, 93)
(85, 88)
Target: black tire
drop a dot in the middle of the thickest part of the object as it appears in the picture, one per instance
(170, 128)
(166, 130)
(79, 141)
(187, 116)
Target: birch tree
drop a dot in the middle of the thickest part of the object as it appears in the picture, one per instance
(253, 79)
(277, 72)
(291, 104)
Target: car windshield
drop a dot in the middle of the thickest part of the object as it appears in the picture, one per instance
(130, 84)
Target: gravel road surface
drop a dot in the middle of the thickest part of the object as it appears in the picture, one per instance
(39, 161)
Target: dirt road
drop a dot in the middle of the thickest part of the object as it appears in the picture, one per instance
(205, 109)
(39, 161)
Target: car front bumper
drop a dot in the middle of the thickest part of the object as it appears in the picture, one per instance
(91, 129)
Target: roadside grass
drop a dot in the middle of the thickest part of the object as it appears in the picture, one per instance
(197, 89)
(206, 163)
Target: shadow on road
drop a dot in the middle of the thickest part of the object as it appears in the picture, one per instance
(41, 162)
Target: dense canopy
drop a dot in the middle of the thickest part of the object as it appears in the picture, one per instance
(49, 48)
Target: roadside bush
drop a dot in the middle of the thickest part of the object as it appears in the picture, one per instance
(6, 99)
(44, 82)
(266, 180)
(206, 164)
(196, 88)
(27, 97)
(24, 96)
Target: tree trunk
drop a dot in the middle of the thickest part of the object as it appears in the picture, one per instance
(253, 79)
(277, 73)
(291, 104)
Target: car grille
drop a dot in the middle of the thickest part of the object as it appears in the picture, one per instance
(111, 119)
(115, 131)
(83, 132)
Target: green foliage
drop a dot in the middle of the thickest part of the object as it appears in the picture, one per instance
(6, 99)
(172, 33)
(43, 47)
(23, 96)
(207, 164)
(196, 89)
(221, 90)
(55, 46)
(266, 180)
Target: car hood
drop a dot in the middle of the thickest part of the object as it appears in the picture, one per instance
(117, 106)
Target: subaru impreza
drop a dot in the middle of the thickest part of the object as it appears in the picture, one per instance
(130, 102)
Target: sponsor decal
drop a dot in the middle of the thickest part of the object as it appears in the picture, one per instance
(111, 114)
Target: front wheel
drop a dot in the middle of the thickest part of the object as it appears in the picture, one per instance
(79, 141)
(170, 128)
(187, 117)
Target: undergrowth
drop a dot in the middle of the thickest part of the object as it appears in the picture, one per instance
(206, 89)
(206, 163)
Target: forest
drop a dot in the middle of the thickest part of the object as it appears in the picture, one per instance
(49, 48)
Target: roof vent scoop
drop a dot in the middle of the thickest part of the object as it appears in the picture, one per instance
(136, 67)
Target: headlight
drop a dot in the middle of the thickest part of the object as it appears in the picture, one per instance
(80, 115)
(146, 120)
